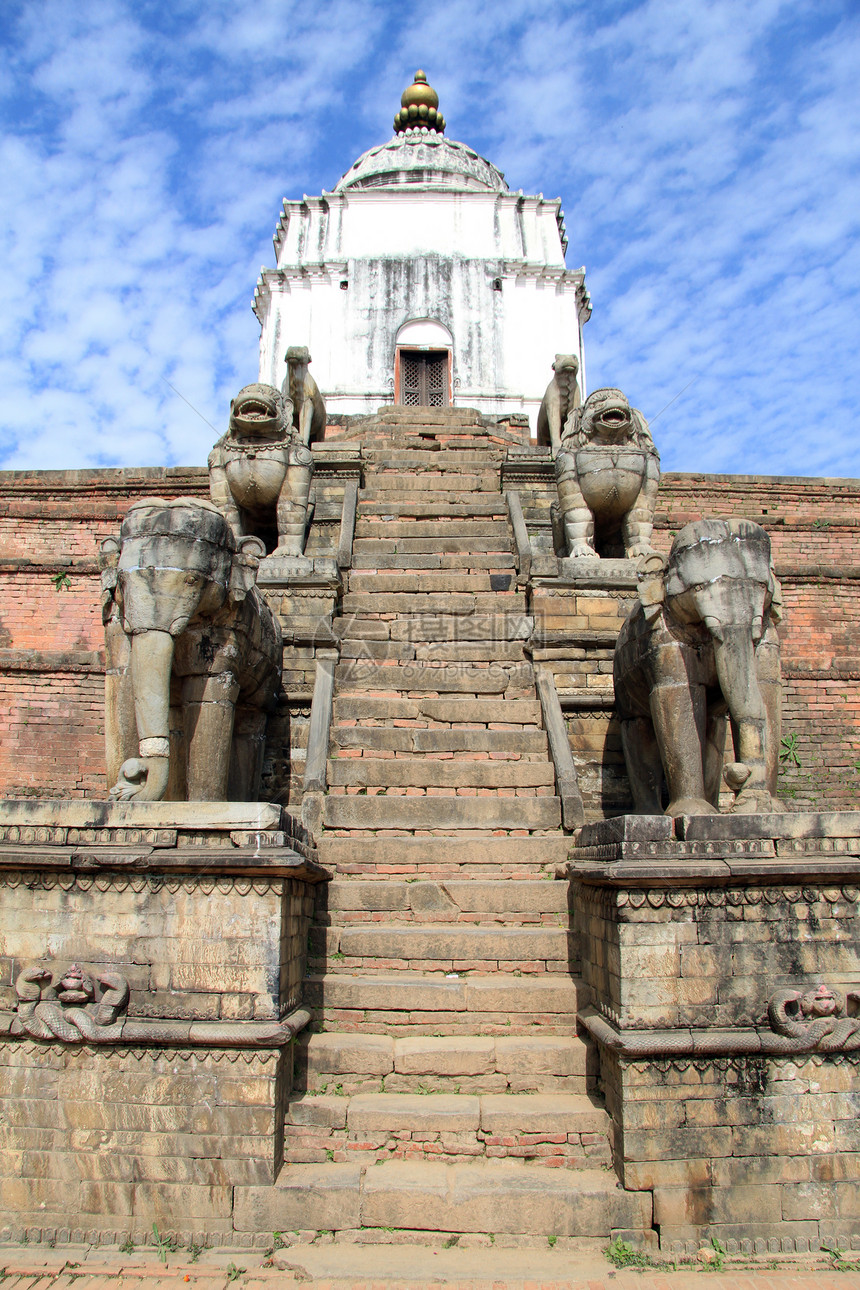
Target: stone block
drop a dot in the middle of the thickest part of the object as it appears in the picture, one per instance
(442, 812)
(333, 1053)
(305, 1197)
(541, 1113)
(499, 1197)
(319, 1112)
(433, 1112)
(454, 1055)
(523, 1055)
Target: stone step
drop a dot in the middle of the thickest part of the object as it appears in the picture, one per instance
(367, 707)
(487, 1196)
(390, 560)
(486, 901)
(365, 674)
(434, 480)
(384, 812)
(412, 999)
(506, 745)
(370, 640)
(498, 1063)
(560, 1129)
(465, 528)
(493, 1113)
(379, 461)
(441, 544)
(424, 604)
(463, 628)
(381, 583)
(434, 947)
(373, 503)
(445, 858)
(426, 772)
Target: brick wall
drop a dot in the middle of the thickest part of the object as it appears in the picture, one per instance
(51, 524)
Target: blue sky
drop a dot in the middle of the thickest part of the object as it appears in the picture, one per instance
(706, 152)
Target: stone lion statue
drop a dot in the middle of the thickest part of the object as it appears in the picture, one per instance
(562, 396)
(260, 471)
(607, 471)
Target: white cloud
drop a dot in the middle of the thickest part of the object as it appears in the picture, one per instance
(705, 154)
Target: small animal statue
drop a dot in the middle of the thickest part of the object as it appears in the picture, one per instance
(816, 1019)
(260, 471)
(607, 472)
(562, 396)
(309, 416)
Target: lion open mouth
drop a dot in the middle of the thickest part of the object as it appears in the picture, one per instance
(255, 411)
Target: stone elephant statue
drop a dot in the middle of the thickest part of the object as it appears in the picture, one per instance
(700, 645)
(607, 472)
(193, 656)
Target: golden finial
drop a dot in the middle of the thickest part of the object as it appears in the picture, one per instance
(420, 108)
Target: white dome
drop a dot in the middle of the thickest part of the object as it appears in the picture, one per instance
(423, 157)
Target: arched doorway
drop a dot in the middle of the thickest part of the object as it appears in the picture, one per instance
(422, 364)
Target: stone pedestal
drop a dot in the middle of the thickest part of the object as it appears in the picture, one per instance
(722, 954)
(153, 957)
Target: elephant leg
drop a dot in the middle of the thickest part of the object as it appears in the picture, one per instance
(678, 710)
(120, 725)
(578, 519)
(209, 705)
(715, 746)
(770, 685)
(177, 780)
(246, 764)
(293, 503)
(644, 766)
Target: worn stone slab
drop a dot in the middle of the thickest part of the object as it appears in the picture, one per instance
(424, 772)
(498, 1197)
(534, 851)
(717, 828)
(627, 828)
(316, 1197)
(461, 942)
(27, 812)
(368, 675)
(319, 1112)
(511, 994)
(365, 707)
(501, 897)
(475, 739)
(541, 1113)
(450, 1055)
(442, 812)
(523, 1055)
(433, 1112)
(502, 626)
(375, 896)
(379, 583)
(335, 1053)
(516, 711)
(407, 992)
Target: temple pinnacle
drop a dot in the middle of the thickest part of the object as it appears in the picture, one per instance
(420, 108)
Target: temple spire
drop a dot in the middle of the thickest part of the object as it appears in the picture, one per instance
(420, 108)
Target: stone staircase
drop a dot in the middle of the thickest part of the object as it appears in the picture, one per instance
(442, 1086)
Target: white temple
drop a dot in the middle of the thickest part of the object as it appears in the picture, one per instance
(423, 279)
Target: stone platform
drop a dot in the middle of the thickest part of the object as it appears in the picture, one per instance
(723, 962)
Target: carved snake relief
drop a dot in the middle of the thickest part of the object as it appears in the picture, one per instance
(815, 1019)
(71, 1008)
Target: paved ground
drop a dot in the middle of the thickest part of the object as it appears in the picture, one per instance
(390, 1267)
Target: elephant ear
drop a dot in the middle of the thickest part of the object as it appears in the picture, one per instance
(652, 584)
(776, 603)
(108, 561)
(246, 562)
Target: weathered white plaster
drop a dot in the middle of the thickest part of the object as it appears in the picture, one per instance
(423, 230)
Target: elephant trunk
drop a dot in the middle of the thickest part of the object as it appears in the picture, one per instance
(145, 778)
(735, 661)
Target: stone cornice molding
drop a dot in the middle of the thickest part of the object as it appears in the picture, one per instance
(155, 1033)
